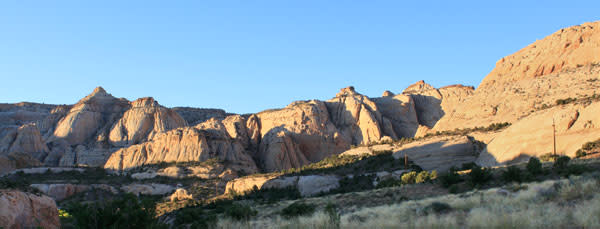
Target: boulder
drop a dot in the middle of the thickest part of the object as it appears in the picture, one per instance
(148, 189)
(59, 192)
(180, 194)
(315, 184)
(306, 185)
(25, 210)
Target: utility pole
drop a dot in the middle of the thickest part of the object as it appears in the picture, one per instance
(405, 161)
(554, 136)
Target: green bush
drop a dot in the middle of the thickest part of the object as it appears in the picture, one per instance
(512, 174)
(467, 166)
(580, 153)
(355, 184)
(453, 188)
(390, 182)
(196, 217)
(591, 145)
(438, 208)
(534, 166)
(298, 209)
(240, 212)
(271, 194)
(565, 101)
(479, 175)
(126, 211)
(561, 162)
(334, 217)
(409, 178)
(576, 170)
(450, 178)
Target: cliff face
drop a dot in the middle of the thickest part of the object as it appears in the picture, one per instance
(562, 65)
(567, 48)
(25, 210)
(101, 130)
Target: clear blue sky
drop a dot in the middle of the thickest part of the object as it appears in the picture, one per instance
(247, 56)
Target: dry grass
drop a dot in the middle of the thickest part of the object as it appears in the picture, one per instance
(573, 202)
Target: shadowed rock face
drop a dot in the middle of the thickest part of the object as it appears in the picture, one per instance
(440, 153)
(432, 104)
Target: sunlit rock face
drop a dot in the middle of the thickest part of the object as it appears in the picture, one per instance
(562, 65)
(25, 210)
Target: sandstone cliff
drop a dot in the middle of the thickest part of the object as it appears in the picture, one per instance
(25, 210)
(575, 125)
(562, 65)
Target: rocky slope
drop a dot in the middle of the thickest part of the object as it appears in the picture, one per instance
(562, 65)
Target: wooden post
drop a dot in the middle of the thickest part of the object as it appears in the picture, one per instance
(405, 161)
(554, 137)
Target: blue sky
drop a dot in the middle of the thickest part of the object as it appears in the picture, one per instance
(247, 56)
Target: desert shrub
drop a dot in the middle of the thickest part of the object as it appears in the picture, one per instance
(126, 211)
(548, 157)
(575, 169)
(195, 217)
(425, 176)
(390, 182)
(534, 166)
(334, 217)
(512, 174)
(409, 178)
(479, 175)
(298, 209)
(453, 188)
(450, 178)
(271, 194)
(561, 162)
(240, 212)
(354, 184)
(580, 153)
(591, 145)
(565, 101)
(438, 208)
(467, 166)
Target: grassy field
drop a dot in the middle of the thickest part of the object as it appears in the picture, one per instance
(562, 203)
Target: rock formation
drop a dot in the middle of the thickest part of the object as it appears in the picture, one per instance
(532, 136)
(142, 121)
(296, 135)
(560, 66)
(431, 104)
(307, 185)
(187, 144)
(26, 210)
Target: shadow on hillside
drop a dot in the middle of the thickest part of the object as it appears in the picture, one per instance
(441, 156)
